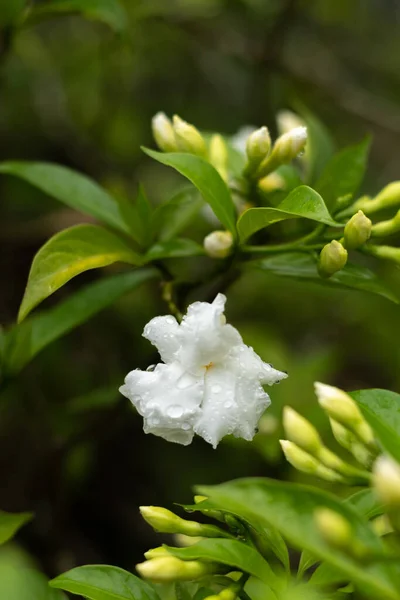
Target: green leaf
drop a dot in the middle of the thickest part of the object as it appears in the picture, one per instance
(10, 523)
(344, 172)
(143, 218)
(381, 408)
(68, 254)
(301, 202)
(18, 583)
(109, 12)
(75, 190)
(206, 179)
(101, 582)
(229, 552)
(303, 266)
(174, 215)
(176, 248)
(10, 10)
(290, 508)
(26, 340)
(320, 147)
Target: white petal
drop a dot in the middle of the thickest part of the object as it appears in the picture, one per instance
(244, 359)
(252, 401)
(168, 398)
(162, 332)
(204, 336)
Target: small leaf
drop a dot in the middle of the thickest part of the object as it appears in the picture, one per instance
(75, 190)
(206, 179)
(10, 523)
(26, 340)
(18, 583)
(143, 218)
(320, 147)
(381, 408)
(229, 552)
(344, 172)
(291, 508)
(68, 254)
(176, 248)
(301, 202)
(303, 266)
(174, 215)
(109, 12)
(101, 582)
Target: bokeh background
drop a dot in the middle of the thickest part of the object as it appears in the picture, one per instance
(72, 449)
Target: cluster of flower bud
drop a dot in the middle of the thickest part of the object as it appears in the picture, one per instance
(177, 135)
(165, 521)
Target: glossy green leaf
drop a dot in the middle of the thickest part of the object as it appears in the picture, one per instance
(302, 202)
(381, 408)
(176, 248)
(18, 583)
(75, 190)
(26, 340)
(229, 552)
(109, 12)
(319, 148)
(290, 508)
(68, 254)
(344, 172)
(10, 523)
(206, 179)
(101, 582)
(171, 217)
(303, 266)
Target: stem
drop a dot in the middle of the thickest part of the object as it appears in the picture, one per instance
(300, 244)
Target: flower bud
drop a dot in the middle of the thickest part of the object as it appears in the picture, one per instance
(388, 197)
(386, 481)
(218, 244)
(287, 120)
(156, 552)
(290, 144)
(302, 461)
(258, 145)
(300, 431)
(333, 527)
(188, 137)
(357, 231)
(333, 258)
(350, 442)
(340, 407)
(163, 133)
(169, 568)
(165, 521)
(228, 593)
(271, 183)
(218, 155)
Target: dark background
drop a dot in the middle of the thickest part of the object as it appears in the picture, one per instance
(71, 449)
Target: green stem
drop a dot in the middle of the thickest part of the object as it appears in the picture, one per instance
(300, 244)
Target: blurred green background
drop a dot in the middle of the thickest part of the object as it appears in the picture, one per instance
(72, 91)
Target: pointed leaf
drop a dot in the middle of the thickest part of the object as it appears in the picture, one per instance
(75, 190)
(302, 202)
(207, 180)
(27, 339)
(303, 266)
(10, 523)
(344, 172)
(176, 248)
(109, 12)
(68, 254)
(174, 215)
(143, 218)
(101, 582)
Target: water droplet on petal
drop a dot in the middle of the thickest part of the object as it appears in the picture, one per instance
(216, 388)
(175, 411)
(228, 404)
(185, 426)
(151, 368)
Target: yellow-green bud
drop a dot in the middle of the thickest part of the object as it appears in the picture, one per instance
(357, 231)
(228, 593)
(258, 145)
(290, 144)
(287, 121)
(169, 568)
(302, 461)
(333, 258)
(340, 407)
(183, 540)
(300, 431)
(350, 442)
(389, 227)
(333, 527)
(156, 552)
(218, 155)
(389, 196)
(163, 133)
(386, 481)
(382, 525)
(218, 244)
(165, 521)
(188, 137)
(198, 499)
(271, 183)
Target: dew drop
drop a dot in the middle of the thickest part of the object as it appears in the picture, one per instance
(185, 426)
(216, 388)
(175, 411)
(151, 368)
(228, 404)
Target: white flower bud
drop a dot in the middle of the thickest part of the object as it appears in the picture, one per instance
(386, 481)
(302, 461)
(357, 231)
(258, 145)
(169, 568)
(350, 442)
(218, 244)
(287, 121)
(188, 137)
(290, 144)
(163, 133)
(300, 431)
(333, 258)
(333, 527)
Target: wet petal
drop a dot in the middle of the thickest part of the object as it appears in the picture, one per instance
(162, 332)
(244, 359)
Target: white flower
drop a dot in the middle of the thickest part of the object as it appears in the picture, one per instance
(210, 382)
